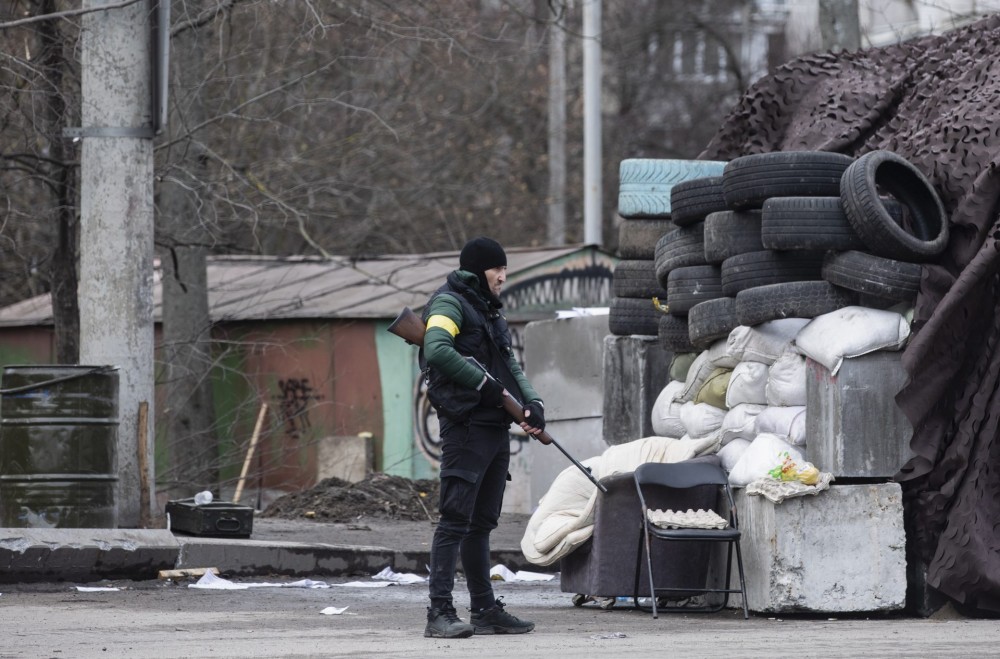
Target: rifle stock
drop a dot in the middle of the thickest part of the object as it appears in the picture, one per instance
(409, 327)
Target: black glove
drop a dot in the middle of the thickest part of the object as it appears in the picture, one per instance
(534, 414)
(491, 393)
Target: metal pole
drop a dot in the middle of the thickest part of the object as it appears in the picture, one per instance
(116, 221)
(592, 193)
(557, 131)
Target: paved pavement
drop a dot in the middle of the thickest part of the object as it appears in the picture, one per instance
(275, 547)
(44, 616)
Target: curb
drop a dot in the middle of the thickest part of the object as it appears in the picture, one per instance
(84, 555)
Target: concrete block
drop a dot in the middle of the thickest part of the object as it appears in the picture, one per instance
(842, 550)
(582, 438)
(636, 368)
(85, 554)
(517, 495)
(347, 457)
(853, 426)
(563, 359)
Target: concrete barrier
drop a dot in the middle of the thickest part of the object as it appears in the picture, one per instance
(854, 428)
(842, 550)
(636, 368)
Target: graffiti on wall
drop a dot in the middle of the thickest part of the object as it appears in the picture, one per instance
(294, 402)
(589, 285)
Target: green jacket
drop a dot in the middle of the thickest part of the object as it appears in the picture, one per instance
(462, 322)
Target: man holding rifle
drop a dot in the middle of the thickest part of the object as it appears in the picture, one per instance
(463, 319)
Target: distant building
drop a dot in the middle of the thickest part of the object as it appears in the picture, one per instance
(882, 22)
(308, 336)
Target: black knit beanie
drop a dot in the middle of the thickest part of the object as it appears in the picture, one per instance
(482, 254)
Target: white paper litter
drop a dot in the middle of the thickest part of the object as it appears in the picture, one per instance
(577, 312)
(396, 577)
(689, 519)
(209, 581)
(501, 572)
(96, 589)
(364, 584)
(333, 611)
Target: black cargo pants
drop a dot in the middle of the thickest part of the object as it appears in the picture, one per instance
(474, 463)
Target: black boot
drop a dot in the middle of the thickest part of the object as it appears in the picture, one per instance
(495, 620)
(443, 622)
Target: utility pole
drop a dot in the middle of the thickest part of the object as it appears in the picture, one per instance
(593, 201)
(839, 24)
(116, 221)
(557, 127)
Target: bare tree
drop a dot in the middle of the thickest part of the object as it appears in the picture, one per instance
(350, 127)
(185, 220)
(38, 221)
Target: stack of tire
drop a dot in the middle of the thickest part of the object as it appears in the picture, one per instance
(793, 234)
(644, 203)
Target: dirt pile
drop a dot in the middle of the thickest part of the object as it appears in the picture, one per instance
(379, 496)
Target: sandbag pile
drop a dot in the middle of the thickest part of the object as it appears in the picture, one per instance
(746, 393)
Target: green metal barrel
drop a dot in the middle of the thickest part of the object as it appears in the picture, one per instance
(58, 439)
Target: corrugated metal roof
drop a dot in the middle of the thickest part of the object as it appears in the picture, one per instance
(267, 287)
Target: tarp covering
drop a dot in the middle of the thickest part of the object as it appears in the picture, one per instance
(934, 101)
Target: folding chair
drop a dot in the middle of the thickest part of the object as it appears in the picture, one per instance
(683, 475)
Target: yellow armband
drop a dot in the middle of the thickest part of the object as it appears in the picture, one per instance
(444, 322)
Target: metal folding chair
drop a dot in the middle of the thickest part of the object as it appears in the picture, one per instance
(677, 476)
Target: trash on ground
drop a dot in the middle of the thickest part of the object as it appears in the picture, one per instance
(387, 574)
(333, 611)
(601, 637)
(502, 573)
(365, 584)
(209, 581)
(96, 589)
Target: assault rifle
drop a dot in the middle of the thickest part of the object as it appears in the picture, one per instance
(410, 328)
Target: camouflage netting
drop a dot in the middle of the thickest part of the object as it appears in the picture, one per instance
(936, 102)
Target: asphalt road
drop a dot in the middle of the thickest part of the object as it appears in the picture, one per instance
(169, 620)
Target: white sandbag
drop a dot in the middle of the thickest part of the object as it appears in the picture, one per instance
(789, 423)
(667, 411)
(731, 453)
(701, 419)
(786, 379)
(747, 384)
(718, 355)
(740, 422)
(763, 342)
(696, 377)
(764, 453)
(851, 332)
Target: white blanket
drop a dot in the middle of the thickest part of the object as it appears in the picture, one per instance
(565, 515)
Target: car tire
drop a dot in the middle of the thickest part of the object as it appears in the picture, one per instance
(769, 267)
(679, 248)
(711, 320)
(872, 275)
(628, 316)
(728, 233)
(691, 285)
(691, 201)
(796, 299)
(637, 238)
(636, 278)
(748, 181)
